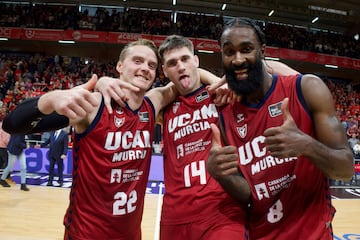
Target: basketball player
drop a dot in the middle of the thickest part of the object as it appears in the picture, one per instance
(111, 152)
(203, 209)
(287, 137)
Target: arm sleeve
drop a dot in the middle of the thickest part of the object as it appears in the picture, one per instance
(26, 118)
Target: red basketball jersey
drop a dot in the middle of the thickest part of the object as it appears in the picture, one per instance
(291, 197)
(111, 163)
(191, 193)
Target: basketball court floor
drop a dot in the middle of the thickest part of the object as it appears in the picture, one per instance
(38, 214)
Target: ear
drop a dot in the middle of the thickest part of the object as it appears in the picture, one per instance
(196, 58)
(263, 51)
(163, 69)
(119, 67)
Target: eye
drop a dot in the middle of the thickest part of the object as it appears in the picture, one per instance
(171, 63)
(153, 66)
(185, 58)
(247, 50)
(228, 52)
(137, 61)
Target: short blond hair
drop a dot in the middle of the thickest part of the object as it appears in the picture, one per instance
(142, 42)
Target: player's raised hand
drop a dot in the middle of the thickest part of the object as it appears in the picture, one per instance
(285, 140)
(214, 86)
(113, 88)
(89, 85)
(74, 103)
(222, 161)
(223, 95)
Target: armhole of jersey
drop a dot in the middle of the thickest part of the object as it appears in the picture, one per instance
(300, 94)
(222, 130)
(152, 107)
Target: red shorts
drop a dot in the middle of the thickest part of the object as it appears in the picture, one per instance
(204, 230)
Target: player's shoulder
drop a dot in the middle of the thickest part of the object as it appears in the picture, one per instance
(310, 77)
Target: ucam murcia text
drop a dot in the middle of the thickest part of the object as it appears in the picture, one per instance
(133, 145)
(257, 149)
(188, 123)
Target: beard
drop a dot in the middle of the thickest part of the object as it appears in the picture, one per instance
(252, 83)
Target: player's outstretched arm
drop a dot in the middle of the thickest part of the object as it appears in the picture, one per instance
(48, 112)
(279, 68)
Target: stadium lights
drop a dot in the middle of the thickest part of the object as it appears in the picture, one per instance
(315, 19)
(4, 39)
(174, 2)
(272, 58)
(331, 66)
(205, 51)
(66, 41)
(271, 13)
(175, 16)
(223, 7)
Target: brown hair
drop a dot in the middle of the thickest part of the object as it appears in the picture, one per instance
(175, 42)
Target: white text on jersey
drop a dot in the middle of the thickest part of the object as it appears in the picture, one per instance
(257, 149)
(189, 123)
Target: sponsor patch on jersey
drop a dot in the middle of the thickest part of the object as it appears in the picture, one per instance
(179, 151)
(275, 109)
(175, 106)
(261, 191)
(143, 116)
(119, 121)
(202, 96)
(115, 176)
(242, 131)
(119, 110)
(240, 117)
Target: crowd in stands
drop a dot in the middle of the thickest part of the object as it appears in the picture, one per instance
(158, 22)
(27, 75)
(24, 75)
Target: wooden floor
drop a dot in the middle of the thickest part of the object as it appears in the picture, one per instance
(38, 214)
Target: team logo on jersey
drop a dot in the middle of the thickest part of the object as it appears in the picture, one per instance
(143, 116)
(242, 131)
(175, 106)
(261, 191)
(202, 96)
(240, 117)
(119, 121)
(275, 109)
(115, 176)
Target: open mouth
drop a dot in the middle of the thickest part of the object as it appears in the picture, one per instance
(185, 81)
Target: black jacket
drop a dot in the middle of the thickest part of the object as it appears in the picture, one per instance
(58, 146)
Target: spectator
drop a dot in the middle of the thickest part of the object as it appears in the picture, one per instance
(58, 147)
(16, 147)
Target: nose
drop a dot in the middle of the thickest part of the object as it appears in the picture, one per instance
(145, 67)
(238, 59)
(180, 65)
